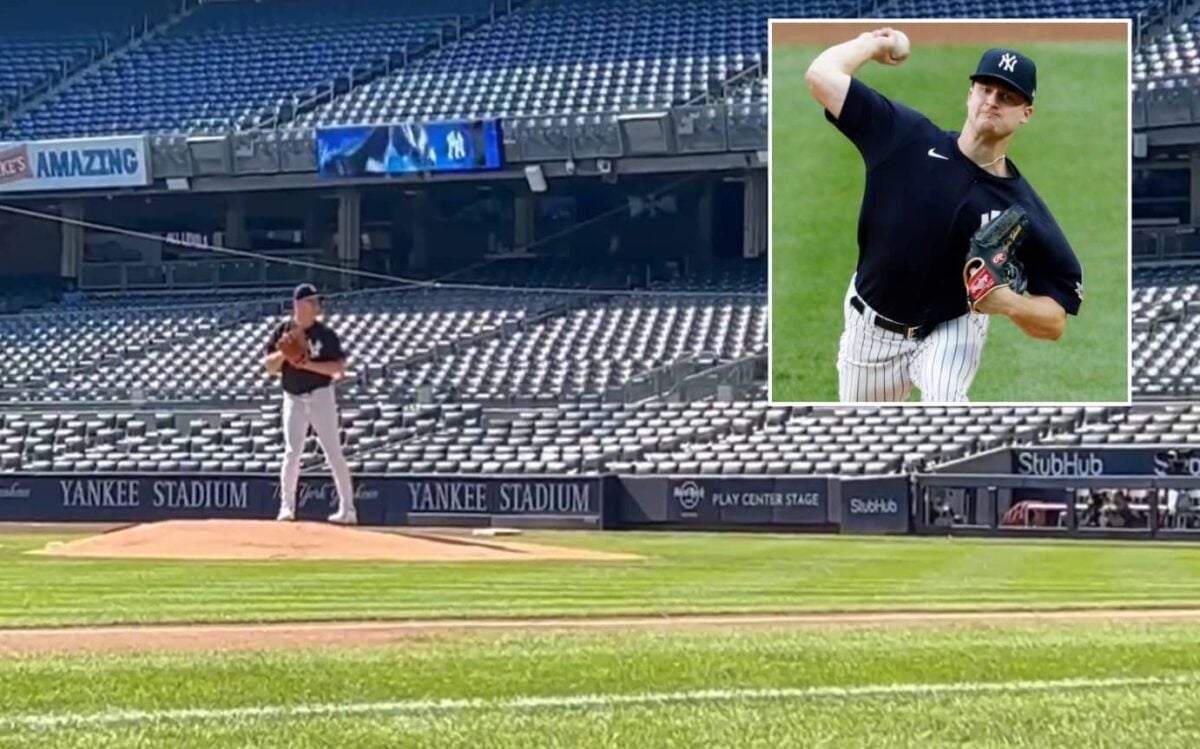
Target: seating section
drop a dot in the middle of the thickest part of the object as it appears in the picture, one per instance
(57, 355)
(227, 63)
(234, 441)
(844, 440)
(566, 56)
(1171, 55)
(1139, 425)
(212, 351)
(1010, 8)
(480, 352)
(758, 91)
(654, 437)
(1166, 332)
(595, 347)
(39, 39)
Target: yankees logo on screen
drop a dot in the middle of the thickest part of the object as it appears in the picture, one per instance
(456, 145)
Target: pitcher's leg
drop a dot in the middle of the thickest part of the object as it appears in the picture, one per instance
(872, 362)
(323, 408)
(295, 428)
(948, 360)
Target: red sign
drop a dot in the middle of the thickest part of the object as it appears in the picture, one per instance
(14, 165)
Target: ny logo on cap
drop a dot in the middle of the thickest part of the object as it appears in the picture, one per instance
(1008, 62)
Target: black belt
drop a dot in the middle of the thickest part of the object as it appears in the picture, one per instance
(911, 333)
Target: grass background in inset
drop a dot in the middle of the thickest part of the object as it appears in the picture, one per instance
(681, 573)
(1073, 152)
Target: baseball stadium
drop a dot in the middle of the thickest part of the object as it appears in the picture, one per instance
(519, 251)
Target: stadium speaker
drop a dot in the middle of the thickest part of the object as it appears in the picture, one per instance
(536, 178)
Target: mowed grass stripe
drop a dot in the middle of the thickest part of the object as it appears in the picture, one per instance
(682, 573)
(1065, 719)
(542, 663)
(589, 701)
(1017, 684)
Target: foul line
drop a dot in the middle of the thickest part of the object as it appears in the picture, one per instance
(586, 701)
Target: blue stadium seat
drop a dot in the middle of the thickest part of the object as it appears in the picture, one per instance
(570, 56)
(39, 39)
(227, 63)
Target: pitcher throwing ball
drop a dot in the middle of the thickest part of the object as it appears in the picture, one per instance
(929, 273)
(308, 357)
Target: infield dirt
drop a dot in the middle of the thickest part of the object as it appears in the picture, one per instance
(269, 540)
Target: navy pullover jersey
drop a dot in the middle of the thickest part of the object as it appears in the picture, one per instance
(323, 345)
(923, 201)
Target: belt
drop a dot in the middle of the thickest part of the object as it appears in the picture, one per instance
(914, 333)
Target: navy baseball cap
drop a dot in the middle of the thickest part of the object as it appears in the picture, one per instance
(304, 291)
(1011, 67)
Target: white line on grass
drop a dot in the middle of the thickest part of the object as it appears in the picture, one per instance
(585, 701)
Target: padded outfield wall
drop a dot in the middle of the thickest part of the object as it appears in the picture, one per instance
(880, 505)
(985, 487)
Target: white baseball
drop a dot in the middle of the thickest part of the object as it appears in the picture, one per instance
(900, 47)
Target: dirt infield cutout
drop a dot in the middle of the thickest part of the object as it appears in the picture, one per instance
(268, 540)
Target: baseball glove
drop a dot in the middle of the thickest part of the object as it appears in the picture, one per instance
(294, 346)
(992, 257)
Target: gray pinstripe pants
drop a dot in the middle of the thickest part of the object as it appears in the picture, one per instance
(878, 365)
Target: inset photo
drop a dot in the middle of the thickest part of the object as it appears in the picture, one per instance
(949, 211)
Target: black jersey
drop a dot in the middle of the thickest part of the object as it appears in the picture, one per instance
(323, 345)
(923, 201)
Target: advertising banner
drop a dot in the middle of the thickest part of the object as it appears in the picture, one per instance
(876, 505)
(380, 500)
(1105, 461)
(87, 164)
(713, 501)
(123, 497)
(408, 148)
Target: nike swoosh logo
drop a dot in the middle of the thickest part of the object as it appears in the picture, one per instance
(936, 155)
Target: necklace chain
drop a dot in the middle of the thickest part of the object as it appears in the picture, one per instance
(990, 163)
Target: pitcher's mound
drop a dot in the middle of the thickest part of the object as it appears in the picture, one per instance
(266, 539)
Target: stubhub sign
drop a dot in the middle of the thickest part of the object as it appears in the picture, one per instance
(89, 164)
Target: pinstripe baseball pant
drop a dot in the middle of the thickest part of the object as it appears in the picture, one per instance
(878, 365)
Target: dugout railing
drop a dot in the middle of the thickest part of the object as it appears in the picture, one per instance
(1118, 506)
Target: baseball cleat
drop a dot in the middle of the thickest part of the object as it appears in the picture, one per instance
(344, 518)
(286, 515)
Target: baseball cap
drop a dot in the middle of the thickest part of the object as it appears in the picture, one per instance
(1011, 67)
(304, 291)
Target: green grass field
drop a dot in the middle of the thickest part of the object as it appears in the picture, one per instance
(1012, 684)
(1116, 686)
(681, 573)
(1073, 152)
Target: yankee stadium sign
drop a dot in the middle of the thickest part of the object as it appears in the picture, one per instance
(189, 494)
(566, 497)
